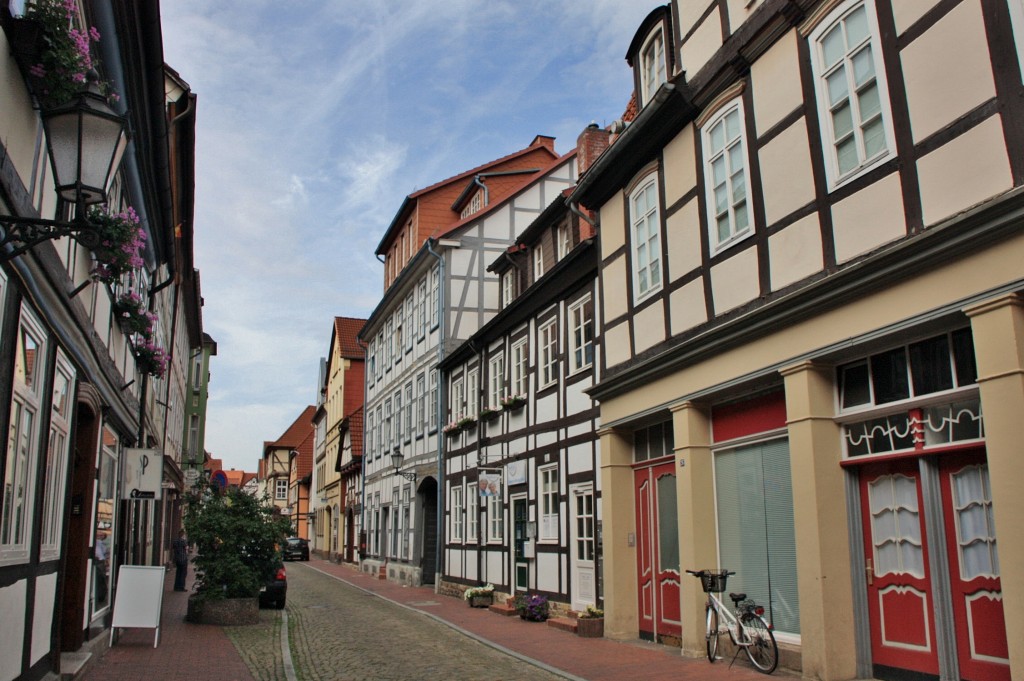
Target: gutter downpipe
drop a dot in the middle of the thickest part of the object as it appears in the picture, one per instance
(487, 193)
(442, 323)
(574, 207)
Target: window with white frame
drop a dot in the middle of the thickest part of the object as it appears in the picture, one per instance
(281, 488)
(380, 355)
(409, 425)
(433, 399)
(369, 434)
(435, 292)
(23, 440)
(645, 232)
(457, 405)
(380, 442)
(399, 425)
(853, 102)
(456, 512)
(508, 288)
(396, 530)
(653, 69)
(496, 379)
(725, 171)
(421, 297)
(386, 441)
(495, 519)
(563, 236)
(421, 402)
(472, 509)
(408, 322)
(548, 346)
(518, 365)
(57, 453)
(538, 261)
(548, 493)
(581, 334)
(473, 392)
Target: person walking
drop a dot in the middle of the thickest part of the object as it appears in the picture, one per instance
(180, 548)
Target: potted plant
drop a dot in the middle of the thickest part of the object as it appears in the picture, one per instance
(513, 402)
(237, 539)
(452, 428)
(590, 623)
(467, 423)
(121, 240)
(150, 357)
(479, 596)
(531, 607)
(131, 314)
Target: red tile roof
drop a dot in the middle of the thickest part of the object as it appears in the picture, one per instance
(346, 329)
(296, 433)
(304, 461)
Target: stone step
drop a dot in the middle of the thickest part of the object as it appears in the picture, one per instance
(505, 609)
(563, 623)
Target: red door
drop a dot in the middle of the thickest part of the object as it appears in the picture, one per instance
(898, 574)
(974, 569)
(657, 551)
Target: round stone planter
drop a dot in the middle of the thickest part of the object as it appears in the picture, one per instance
(226, 612)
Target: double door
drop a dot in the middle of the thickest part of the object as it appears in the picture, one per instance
(909, 580)
(657, 540)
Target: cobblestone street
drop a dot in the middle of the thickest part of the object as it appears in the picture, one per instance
(339, 632)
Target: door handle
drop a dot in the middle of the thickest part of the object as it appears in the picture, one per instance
(869, 571)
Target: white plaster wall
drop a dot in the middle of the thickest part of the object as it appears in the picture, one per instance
(531, 198)
(547, 572)
(578, 458)
(575, 399)
(786, 172)
(734, 281)
(679, 167)
(613, 230)
(703, 44)
(615, 296)
(686, 306)
(906, 13)
(13, 605)
(499, 224)
(776, 85)
(795, 252)
(868, 218)
(649, 327)
(954, 50)
(683, 234)
(964, 172)
(616, 344)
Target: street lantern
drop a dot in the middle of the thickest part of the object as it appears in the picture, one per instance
(86, 141)
(396, 460)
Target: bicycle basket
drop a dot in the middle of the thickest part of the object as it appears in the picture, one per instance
(713, 581)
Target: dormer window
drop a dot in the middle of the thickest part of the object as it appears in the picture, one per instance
(653, 70)
(474, 205)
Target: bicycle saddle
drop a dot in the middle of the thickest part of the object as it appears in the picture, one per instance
(737, 597)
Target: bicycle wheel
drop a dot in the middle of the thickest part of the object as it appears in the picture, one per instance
(712, 634)
(762, 651)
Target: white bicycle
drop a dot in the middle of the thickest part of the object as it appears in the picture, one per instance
(747, 628)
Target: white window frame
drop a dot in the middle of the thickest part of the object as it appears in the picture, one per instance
(547, 503)
(518, 369)
(57, 457)
(653, 64)
(563, 237)
(538, 261)
(433, 400)
(832, 173)
(730, 182)
(281, 491)
(435, 293)
(496, 378)
(579, 344)
(409, 425)
(421, 402)
(473, 392)
(421, 295)
(457, 405)
(547, 353)
(381, 444)
(508, 288)
(495, 520)
(457, 510)
(398, 421)
(16, 533)
(472, 512)
(409, 333)
(642, 244)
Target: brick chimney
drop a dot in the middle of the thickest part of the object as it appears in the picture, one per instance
(543, 141)
(591, 143)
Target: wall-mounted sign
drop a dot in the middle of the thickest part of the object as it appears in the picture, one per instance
(516, 472)
(143, 474)
(489, 483)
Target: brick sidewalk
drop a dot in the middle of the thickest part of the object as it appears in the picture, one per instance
(559, 651)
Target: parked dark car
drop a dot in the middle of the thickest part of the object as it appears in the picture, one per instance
(275, 591)
(296, 548)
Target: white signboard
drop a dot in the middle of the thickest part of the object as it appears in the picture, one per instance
(143, 474)
(516, 472)
(138, 599)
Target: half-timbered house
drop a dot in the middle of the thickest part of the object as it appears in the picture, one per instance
(812, 322)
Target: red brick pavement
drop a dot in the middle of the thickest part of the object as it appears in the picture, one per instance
(586, 658)
(192, 652)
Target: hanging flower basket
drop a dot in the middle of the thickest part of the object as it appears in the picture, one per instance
(467, 423)
(151, 358)
(132, 316)
(121, 240)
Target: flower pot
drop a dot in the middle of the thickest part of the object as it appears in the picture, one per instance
(225, 612)
(590, 627)
(481, 601)
(488, 416)
(515, 406)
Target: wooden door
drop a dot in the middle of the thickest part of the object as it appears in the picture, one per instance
(583, 551)
(898, 575)
(657, 552)
(982, 650)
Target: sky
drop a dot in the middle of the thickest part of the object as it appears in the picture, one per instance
(316, 118)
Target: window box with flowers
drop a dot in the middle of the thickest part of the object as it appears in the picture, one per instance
(132, 316)
(452, 428)
(590, 623)
(151, 358)
(121, 240)
(513, 402)
(531, 607)
(52, 53)
(479, 596)
(488, 414)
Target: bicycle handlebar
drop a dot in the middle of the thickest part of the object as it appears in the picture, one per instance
(700, 573)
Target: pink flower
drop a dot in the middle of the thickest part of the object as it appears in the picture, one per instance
(38, 71)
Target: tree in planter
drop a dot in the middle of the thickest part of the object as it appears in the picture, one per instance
(237, 539)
